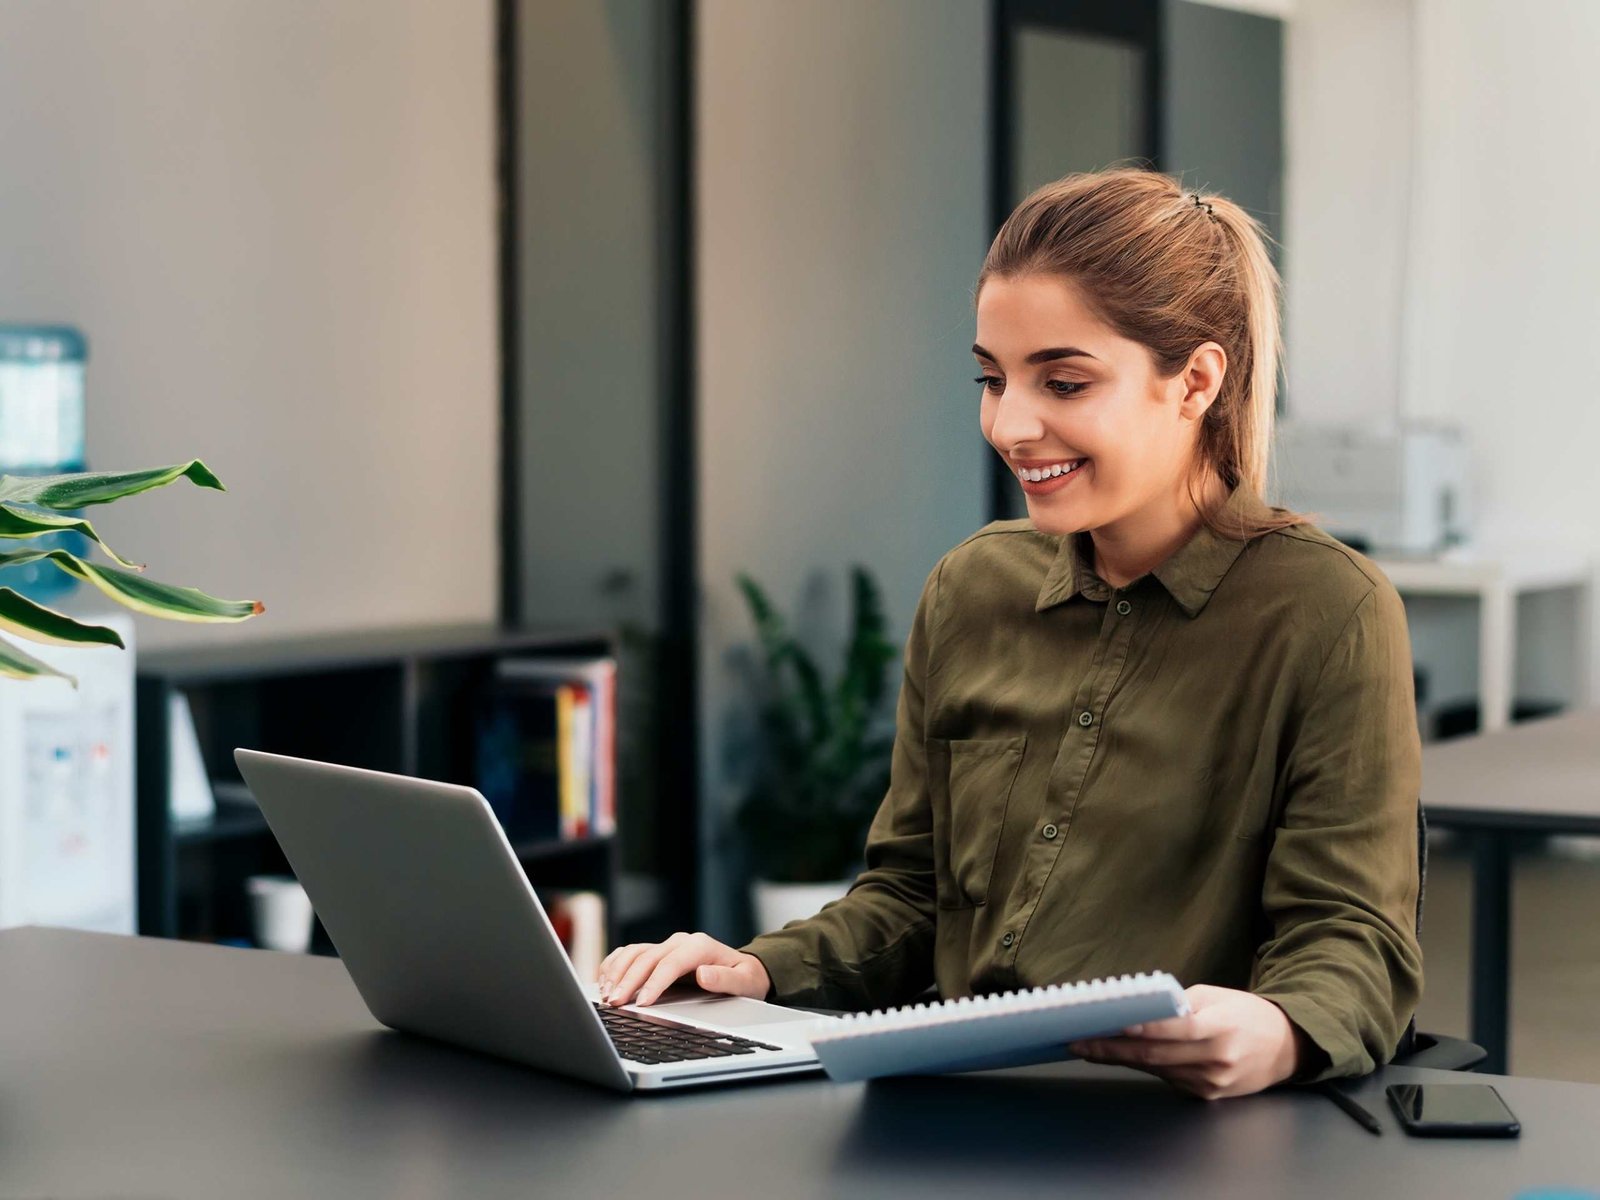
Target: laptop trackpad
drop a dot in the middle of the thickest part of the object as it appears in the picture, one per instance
(730, 1012)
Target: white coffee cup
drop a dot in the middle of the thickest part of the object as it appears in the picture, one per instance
(282, 912)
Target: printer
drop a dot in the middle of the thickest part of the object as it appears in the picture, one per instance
(1395, 491)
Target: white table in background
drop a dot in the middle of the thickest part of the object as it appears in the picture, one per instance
(1497, 583)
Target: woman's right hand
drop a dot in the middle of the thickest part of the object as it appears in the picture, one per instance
(645, 969)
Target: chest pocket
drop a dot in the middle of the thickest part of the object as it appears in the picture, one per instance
(970, 782)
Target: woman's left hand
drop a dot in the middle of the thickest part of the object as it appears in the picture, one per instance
(1232, 1043)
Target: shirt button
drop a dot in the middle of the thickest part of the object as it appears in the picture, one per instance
(1008, 939)
(1123, 608)
(1086, 719)
(1050, 831)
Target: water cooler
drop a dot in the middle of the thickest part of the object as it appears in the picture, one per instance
(66, 755)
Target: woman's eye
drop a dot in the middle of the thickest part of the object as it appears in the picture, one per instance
(1058, 386)
(1061, 387)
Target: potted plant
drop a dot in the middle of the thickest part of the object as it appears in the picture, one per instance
(37, 506)
(824, 762)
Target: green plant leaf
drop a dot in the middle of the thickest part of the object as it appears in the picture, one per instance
(769, 626)
(860, 688)
(141, 594)
(23, 617)
(17, 664)
(22, 523)
(811, 691)
(870, 649)
(812, 799)
(780, 648)
(82, 489)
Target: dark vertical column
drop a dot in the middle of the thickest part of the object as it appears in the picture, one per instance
(1002, 119)
(1002, 130)
(506, 222)
(155, 861)
(677, 686)
(1491, 946)
(1150, 30)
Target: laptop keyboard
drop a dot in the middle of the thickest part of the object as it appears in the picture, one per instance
(653, 1040)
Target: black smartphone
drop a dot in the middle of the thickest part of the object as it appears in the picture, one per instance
(1452, 1110)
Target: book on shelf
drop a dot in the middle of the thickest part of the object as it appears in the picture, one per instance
(579, 919)
(189, 794)
(546, 747)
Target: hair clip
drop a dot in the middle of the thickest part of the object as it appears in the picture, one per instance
(1205, 204)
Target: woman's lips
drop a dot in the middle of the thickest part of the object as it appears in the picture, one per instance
(1047, 487)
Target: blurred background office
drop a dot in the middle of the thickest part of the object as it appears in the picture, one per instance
(518, 329)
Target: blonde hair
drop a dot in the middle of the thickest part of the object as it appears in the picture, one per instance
(1168, 269)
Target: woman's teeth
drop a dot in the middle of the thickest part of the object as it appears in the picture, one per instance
(1039, 474)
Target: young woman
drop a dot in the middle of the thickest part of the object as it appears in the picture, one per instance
(1157, 724)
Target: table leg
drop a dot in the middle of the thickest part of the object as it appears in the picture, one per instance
(1583, 682)
(1491, 946)
(1497, 652)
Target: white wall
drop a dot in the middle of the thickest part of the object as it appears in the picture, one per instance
(841, 178)
(1347, 96)
(1508, 254)
(1506, 259)
(1443, 264)
(275, 222)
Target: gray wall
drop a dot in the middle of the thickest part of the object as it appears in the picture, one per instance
(841, 222)
(590, 145)
(275, 222)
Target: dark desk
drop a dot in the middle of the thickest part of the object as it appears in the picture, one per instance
(138, 1067)
(1535, 777)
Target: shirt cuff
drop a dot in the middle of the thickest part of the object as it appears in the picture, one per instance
(793, 980)
(1330, 1054)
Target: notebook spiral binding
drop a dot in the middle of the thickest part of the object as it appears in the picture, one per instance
(962, 1008)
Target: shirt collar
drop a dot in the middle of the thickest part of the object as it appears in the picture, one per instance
(1190, 574)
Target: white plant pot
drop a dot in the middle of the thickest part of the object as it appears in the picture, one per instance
(776, 904)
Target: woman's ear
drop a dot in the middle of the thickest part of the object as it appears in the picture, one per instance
(1202, 379)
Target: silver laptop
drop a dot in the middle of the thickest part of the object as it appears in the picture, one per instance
(435, 920)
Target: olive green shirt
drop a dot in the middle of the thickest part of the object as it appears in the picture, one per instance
(1213, 771)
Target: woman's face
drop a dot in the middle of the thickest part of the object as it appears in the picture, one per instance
(1064, 395)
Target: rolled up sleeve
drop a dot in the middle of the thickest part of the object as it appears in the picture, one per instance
(1340, 892)
(873, 947)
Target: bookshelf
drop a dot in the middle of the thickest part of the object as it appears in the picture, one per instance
(399, 700)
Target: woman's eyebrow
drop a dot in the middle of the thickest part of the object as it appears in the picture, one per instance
(1039, 356)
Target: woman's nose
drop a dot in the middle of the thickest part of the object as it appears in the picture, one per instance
(1015, 423)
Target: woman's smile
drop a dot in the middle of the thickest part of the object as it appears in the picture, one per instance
(1044, 479)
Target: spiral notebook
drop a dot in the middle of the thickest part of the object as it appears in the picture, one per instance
(1006, 1029)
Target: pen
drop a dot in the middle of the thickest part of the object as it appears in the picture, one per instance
(1362, 1116)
